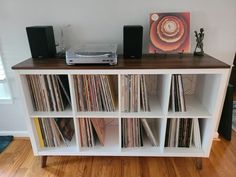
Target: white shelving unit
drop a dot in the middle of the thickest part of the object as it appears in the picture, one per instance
(205, 103)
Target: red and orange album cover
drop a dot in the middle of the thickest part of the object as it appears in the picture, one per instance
(169, 32)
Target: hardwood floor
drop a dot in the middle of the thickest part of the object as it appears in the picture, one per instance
(18, 160)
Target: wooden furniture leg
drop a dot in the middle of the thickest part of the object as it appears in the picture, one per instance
(43, 160)
(199, 163)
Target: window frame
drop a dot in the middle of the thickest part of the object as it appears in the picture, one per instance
(5, 93)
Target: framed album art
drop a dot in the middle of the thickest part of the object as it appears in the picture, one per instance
(169, 32)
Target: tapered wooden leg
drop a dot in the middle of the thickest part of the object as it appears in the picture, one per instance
(199, 163)
(43, 161)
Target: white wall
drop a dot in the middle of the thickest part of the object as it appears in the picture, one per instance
(102, 21)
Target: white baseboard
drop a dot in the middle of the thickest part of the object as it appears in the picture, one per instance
(15, 133)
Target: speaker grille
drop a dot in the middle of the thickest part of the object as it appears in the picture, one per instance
(41, 41)
(132, 41)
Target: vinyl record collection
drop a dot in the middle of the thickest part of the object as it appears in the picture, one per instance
(129, 93)
(97, 93)
(49, 92)
(94, 93)
(177, 99)
(144, 94)
(91, 129)
(133, 132)
(183, 132)
(54, 132)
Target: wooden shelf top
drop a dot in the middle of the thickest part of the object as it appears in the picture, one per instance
(148, 61)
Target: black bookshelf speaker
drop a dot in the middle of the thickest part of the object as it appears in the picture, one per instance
(132, 41)
(225, 126)
(41, 41)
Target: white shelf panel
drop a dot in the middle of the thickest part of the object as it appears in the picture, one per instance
(194, 109)
(111, 143)
(141, 115)
(186, 152)
(98, 114)
(71, 149)
(142, 151)
(66, 113)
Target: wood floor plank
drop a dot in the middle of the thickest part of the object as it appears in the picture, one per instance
(170, 166)
(14, 157)
(106, 167)
(33, 168)
(223, 167)
(152, 167)
(18, 161)
(208, 169)
(78, 167)
(185, 167)
(130, 166)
